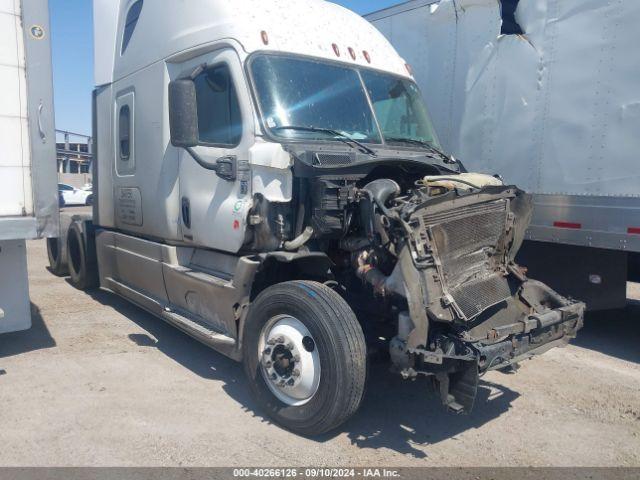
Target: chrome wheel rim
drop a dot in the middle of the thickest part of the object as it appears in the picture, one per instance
(289, 360)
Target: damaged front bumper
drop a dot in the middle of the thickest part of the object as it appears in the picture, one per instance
(533, 336)
(472, 309)
(457, 370)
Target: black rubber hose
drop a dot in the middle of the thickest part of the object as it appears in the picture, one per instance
(382, 189)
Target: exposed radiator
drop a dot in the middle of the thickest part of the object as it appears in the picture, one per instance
(466, 239)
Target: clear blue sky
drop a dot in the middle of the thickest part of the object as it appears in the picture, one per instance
(72, 43)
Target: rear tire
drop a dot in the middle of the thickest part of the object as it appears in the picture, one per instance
(57, 262)
(81, 256)
(327, 325)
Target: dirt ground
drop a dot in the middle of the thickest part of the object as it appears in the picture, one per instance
(98, 381)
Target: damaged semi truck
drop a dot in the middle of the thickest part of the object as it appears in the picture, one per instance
(268, 180)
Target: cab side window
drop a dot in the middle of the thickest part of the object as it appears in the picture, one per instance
(219, 118)
(124, 127)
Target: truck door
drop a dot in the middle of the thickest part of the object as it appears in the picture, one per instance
(213, 207)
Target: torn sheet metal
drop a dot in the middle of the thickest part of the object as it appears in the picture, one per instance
(555, 111)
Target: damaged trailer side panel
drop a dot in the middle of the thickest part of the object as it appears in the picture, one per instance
(483, 87)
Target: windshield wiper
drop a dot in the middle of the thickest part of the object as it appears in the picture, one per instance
(421, 143)
(343, 137)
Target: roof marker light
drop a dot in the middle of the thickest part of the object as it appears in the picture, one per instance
(352, 52)
(367, 57)
(574, 226)
(265, 37)
(336, 49)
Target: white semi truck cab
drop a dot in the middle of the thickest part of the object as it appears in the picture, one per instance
(268, 180)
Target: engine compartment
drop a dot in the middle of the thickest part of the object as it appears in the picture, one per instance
(425, 256)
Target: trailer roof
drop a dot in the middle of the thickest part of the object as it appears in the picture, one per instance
(167, 28)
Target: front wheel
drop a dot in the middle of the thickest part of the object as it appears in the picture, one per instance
(305, 356)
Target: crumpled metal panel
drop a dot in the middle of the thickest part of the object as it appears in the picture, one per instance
(566, 89)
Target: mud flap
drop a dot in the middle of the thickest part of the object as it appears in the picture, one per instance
(458, 390)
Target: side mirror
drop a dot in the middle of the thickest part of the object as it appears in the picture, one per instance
(183, 113)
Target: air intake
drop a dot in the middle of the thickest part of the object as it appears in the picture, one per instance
(326, 159)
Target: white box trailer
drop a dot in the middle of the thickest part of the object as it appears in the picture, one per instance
(553, 108)
(28, 186)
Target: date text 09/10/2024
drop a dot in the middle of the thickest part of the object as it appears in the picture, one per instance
(315, 473)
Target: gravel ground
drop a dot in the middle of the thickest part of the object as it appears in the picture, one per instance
(97, 381)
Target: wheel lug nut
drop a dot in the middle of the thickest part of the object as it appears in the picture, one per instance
(271, 342)
(296, 358)
(282, 383)
(296, 373)
(289, 346)
(268, 363)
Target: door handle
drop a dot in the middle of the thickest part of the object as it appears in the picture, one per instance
(186, 212)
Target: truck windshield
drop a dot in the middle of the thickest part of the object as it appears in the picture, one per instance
(312, 95)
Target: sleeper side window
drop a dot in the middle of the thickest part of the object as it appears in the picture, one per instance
(124, 128)
(219, 118)
(130, 24)
(124, 139)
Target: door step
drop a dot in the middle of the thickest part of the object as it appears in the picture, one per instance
(199, 330)
(202, 275)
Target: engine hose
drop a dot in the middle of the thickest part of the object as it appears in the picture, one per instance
(378, 193)
(373, 277)
(370, 274)
(455, 180)
(299, 241)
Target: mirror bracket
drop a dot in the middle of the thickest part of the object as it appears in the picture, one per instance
(227, 168)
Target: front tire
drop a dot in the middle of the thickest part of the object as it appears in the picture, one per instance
(305, 356)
